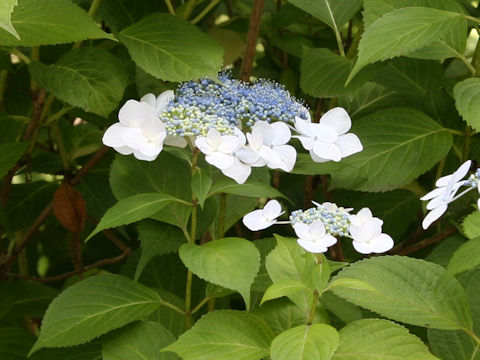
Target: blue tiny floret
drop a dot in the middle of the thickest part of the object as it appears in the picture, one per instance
(336, 221)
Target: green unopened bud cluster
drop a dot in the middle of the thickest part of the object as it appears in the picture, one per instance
(335, 219)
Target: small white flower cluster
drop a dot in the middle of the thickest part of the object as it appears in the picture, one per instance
(141, 132)
(446, 192)
(316, 228)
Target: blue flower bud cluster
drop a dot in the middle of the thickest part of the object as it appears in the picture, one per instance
(226, 103)
(336, 221)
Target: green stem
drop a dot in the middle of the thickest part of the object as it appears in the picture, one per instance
(58, 114)
(472, 335)
(91, 12)
(474, 19)
(189, 6)
(455, 132)
(466, 143)
(313, 309)
(356, 40)
(200, 304)
(170, 8)
(21, 56)
(205, 11)
(61, 146)
(338, 36)
(221, 216)
(34, 55)
(188, 300)
(171, 306)
(476, 59)
(440, 167)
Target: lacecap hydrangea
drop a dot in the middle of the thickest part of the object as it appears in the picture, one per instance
(210, 114)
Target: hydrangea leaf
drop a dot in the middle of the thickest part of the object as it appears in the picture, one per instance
(462, 259)
(471, 225)
(409, 290)
(6, 8)
(334, 13)
(380, 339)
(304, 342)
(282, 288)
(132, 209)
(157, 238)
(450, 45)
(88, 351)
(9, 154)
(88, 77)
(251, 188)
(50, 22)
(401, 32)
(171, 48)
(467, 101)
(225, 335)
(93, 307)
(139, 341)
(15, 343)
(230, 262)
(201, 183)
(128, 176)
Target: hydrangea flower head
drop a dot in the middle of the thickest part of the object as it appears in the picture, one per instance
(366, 232)
(313, 237)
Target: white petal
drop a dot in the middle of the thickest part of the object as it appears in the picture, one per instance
(220, 160)
(362, 216)
(256, 221)
(323, 133)
(478, 204)
(141, 156)
(247, 155)
(162, 101)
(150, 149)
(457, 175)
(272, 210)
(134, 113)
(302, 126)
(317, 229)
(241, 137)
(433, 194)
(214, 138)
(124, 150)
(316, 158)
(229, 144)
(381, 243)
(281, 133)
(327, 151)
(371, 229)
(302, 231)
(270, 156)
(329, 240)
(338, 118)
(362, 247)
(356, 232)
(312, 246)
(255, 138)
(436, 202)
(349, 144)
(202, 143)
(149, 99)
(133, 137)
(288, 156)
(307, 142)
(433, 216)
(113, 135)
(238, 171)
(154, 129)
(177, 141)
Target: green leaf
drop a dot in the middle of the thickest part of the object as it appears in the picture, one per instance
(6, 8)
(93, 307)
(402, 31)
(128, 176)
(399, 144)
(139, 341)
(453, 345)
(462, 258)
(471, 225)
(452, 44)
(225, 335)
(251, 188)
(50, 22)
(201, 183)
(334, 13)
(15, 343)
(345, 311)
(9, 154)
(409, 290)
(231, 262)
(467, 100)
(353, 284)
(379, 339)
(305, 342)
(282, 288)
(289, 262)
(171, 48)
(89, 351)
(132, 209)
(156, 238)
(324, 73)
(90, 78)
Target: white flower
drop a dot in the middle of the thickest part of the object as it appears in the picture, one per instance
(218, 148)
(239, 171)
(313, 237)
(447, 187)
(367, 235)
(139, 131)
(263, 218)
(328, 140)
(267, 146)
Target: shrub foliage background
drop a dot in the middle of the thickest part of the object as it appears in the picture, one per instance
(407, 71)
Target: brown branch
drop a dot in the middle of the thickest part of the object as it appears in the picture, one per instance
(89, 165)
(252, 36)
(427, 242)
(110, 235)
(64, 276)
(37, 115)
